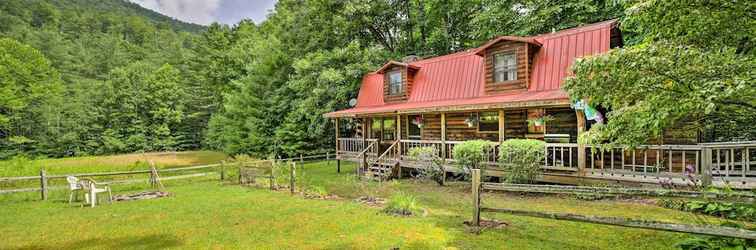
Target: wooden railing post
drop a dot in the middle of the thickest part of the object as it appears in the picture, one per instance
(705, 166)
(301, 159)
(223, 171)
(292, 176)
(43, 184)
(476, 197)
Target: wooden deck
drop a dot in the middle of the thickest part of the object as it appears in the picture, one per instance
(719, 164)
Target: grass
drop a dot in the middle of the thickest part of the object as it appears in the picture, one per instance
(91, 164)
(205, 214)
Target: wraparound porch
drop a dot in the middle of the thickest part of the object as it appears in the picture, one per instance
(716, 164)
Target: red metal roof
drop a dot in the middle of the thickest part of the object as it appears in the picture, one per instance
(458, 79)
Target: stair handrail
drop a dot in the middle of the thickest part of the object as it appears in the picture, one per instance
(388, 150)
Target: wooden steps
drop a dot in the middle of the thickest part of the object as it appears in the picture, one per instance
(381, 170)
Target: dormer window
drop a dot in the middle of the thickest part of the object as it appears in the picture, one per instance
(395, 82)
(505, 67)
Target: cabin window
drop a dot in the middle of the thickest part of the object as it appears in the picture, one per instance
(413, 126)
(389, 129)
(395, 82)
(505, 67)
(488, 121)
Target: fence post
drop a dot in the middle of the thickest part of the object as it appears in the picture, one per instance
(292, 176)
(301, 159)
(43, 183)
(223, 171)
(706, 166)
(476, 197)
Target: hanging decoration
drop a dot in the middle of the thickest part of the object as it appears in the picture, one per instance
(418, 121)
(471, 121)
(591, 113)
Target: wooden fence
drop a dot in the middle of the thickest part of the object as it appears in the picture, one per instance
(478, 187)
(221, 168)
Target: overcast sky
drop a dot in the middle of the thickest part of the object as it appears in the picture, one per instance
(207, 11)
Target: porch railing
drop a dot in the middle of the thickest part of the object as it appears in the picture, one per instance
(731, 163)
(352, 146)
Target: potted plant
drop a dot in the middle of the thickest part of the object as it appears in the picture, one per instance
(418, 121)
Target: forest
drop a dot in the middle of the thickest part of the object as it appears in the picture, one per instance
(88, 77)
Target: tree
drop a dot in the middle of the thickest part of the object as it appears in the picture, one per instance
(141, 108)
(29, 95)
(323, 81)
(673, 77)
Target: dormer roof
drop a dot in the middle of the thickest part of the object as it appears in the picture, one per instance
(480, 50)
(395, 63)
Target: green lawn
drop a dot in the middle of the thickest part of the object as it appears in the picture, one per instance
(205, 214)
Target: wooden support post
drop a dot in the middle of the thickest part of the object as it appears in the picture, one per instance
(337, 135)
(502, 131)
(301, 159)
(43, 184)
(292, 175)
(443, 136)
(476, 197)
(706, 159)
(581, 147)
(399, 134)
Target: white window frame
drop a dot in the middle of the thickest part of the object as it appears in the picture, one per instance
(395, 88)
(507, 71)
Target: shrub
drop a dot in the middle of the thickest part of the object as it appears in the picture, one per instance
(471, 154)
(432, 164)
(521, 159)
(402, 204)
(319, 191)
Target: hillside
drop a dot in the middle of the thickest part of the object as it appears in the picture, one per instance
(113, 75)
(125, 7)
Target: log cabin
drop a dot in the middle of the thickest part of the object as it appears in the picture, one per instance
(492, 91)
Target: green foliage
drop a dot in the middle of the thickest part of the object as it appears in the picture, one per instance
(320, 191)
(729, 210)
(431, 162)
(30, 92)
(653, 87)
(522, 159)
(711, 242)
(672, 76)
(402, 203)
(322, 81)
(471, 154)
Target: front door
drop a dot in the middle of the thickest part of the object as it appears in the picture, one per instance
(384, 130)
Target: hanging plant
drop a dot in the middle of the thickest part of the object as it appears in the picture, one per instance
(539, 121)
(471, 121)
(418, 121)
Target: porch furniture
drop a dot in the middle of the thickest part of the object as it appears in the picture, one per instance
(73, 188)
(91, 188)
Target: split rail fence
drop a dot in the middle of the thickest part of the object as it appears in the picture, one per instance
(478, 187)
(43, 180)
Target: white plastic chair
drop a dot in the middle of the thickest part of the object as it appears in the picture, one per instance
(91, 189)
(73, 188)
